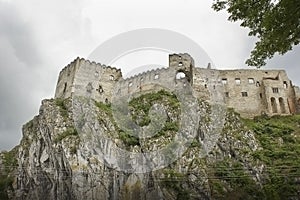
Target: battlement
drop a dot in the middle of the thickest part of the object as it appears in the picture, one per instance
(249, 91)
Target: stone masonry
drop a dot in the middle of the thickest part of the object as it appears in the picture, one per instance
(250, 92)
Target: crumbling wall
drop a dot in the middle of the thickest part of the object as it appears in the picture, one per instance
(65, 83)
(95, 80)
(89, 79)
(250, 92)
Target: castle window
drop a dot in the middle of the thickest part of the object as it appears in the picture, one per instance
(257, 84)
(275, 90)
(244, 94)
(156, 76)
(224, 81)
(250, 80)
(238, 81)
(273, 105)
(281, 104)
(180, 75)
(100, 89)
(180, 64)
(111, 77)
(226, 94)
(285, 85)
(130, 84)
(260, 95)
(65, 88)
(205, 86)
(96, 74)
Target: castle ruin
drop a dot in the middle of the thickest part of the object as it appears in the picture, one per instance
(250, 92)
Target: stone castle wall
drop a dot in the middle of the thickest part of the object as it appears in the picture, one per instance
(249, 92)
(85, 78)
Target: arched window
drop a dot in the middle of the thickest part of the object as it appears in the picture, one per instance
(273, 105)
(180, 75)
(111, 77)
(281, 103)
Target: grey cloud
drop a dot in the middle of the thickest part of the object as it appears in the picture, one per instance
(18, 59)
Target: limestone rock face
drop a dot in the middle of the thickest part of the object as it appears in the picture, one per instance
(56, 159)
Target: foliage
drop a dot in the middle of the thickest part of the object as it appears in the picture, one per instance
(128, 139)
(9, 164)
(70, 131)
(276, 24)
(174, 180)
(62, 107)
(229, 179)
(279, 137)
(142, 104)
(104, 107)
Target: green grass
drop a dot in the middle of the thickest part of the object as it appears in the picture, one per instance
(142, 104)
(62, 107)
(65, 134)
(279, 137)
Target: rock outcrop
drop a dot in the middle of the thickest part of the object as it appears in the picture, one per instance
(56, 159)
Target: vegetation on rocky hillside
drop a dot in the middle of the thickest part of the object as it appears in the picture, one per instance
(252, 159)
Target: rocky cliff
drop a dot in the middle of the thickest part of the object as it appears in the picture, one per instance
(60, 159)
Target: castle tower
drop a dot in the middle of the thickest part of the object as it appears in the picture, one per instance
(89, 79)
(184, 65)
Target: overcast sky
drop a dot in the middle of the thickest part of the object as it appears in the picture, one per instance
(38, 38)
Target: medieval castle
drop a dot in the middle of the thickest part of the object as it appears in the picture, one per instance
(249, 92)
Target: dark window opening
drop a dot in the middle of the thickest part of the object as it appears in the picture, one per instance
(275, 90)
(65, 88)
(260, 95)
(281, 104)
(244, 94)
(285, 85)
(273, 105)
(100, 89)
(205, 86)
(180, 64)
(257, 84)
(226, 94)
(106, 101)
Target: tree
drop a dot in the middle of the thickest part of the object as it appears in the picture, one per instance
(276, 23)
